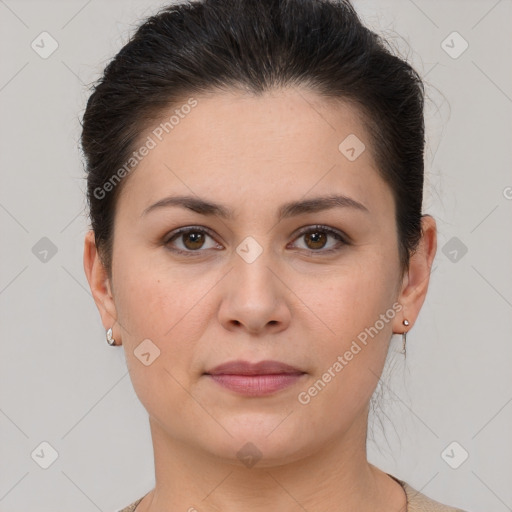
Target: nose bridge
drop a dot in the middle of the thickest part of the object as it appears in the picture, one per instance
(252, 273)
(254, 296)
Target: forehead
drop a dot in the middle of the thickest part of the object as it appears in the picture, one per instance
(285, 141)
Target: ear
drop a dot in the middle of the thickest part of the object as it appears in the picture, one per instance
(416, 279)
(99, 282)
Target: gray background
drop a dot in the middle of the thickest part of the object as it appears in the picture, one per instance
(62, 384)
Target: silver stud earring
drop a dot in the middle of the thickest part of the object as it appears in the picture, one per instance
(110, 339)
(404, 336)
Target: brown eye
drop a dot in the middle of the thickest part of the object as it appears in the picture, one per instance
(316, 239)
(193, 240)
(190, 240)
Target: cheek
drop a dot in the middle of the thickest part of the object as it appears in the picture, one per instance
(351, 297)
(163, 307)
(168, 306)
(151, 298)
(358, 309)
(356, 304)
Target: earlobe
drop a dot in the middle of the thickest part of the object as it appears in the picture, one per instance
(417, 278)
(98, 281)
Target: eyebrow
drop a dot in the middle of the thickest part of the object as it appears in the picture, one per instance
(287, 210)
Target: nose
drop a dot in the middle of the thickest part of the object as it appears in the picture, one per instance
(255, 297)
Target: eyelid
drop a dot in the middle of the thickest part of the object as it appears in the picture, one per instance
(320, 227)
(186, 229)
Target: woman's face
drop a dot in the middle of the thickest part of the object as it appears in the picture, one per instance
(261, 282)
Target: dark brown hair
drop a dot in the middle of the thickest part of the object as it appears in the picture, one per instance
(203, 46)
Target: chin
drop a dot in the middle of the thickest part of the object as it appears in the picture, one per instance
(260, 444)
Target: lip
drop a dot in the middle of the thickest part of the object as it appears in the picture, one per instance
(255, 379)
(240, 367)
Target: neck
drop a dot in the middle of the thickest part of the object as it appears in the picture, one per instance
(337, 476)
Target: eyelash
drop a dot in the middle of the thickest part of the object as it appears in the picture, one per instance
(309, 229)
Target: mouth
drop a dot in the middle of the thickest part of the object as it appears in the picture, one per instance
(255, 379)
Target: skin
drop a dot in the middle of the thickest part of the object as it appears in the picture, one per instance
(252, 154)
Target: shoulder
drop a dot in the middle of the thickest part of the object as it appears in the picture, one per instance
(131, 508)
(416, 501)
(419, 502)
